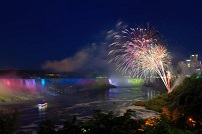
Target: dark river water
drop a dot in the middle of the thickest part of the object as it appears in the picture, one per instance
(81, 103)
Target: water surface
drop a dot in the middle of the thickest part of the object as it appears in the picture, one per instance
(80, 103)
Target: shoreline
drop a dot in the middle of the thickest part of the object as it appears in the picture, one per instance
(140, 112)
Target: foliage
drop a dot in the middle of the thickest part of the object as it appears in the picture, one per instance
(8, 124)
(101, 123)
(46, 127)
(71, 127)
(163, 126)
(109, 123)
(184, 101)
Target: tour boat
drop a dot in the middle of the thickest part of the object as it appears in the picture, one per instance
(42, 104)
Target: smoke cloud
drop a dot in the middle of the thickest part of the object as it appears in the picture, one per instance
(69, 64)
(92, 58)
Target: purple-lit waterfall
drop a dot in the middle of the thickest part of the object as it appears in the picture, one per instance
(29, 84)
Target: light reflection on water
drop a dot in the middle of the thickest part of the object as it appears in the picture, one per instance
(80, 103)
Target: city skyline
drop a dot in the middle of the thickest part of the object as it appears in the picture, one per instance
(72, 36)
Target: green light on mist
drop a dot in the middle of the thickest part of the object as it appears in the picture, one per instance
(135, 81)
(198, 77)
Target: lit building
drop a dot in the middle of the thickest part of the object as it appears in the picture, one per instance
(53, 75)
(192, 65)
(195, 64)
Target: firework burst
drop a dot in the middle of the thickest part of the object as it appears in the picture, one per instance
(156, 60)
(138, 53)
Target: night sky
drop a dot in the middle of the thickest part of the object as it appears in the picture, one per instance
(66, 35)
